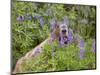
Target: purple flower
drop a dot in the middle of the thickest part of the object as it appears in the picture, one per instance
(70, 37)
(82, 43)
(20, 18)
(41, 20)
(93, 46)
(82, 52)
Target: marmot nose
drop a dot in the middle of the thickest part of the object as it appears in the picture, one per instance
(65, 42)
(63, 31)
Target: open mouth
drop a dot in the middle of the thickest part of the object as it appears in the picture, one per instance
(63, 39)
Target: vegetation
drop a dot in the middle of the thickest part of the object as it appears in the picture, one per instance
(31, 24)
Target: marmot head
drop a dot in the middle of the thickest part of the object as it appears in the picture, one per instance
(60, 31)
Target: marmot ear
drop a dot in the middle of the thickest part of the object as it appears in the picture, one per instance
(66, 21)
(53, 23)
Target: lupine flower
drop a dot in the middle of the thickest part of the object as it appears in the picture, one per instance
(93, 46)
(41, 20)
(20, 18)
(81, 53)
(82, 43)
(82, 49)
(70, 37)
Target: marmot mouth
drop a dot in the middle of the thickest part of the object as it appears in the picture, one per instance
(63, 40)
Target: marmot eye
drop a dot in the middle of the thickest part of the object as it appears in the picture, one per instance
(63, 31)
